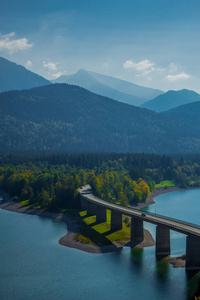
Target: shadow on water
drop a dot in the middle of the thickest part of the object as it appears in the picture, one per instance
(193, 284)
(137, 257)
(162, 267)
(162, 273)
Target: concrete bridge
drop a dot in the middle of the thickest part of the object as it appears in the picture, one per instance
(96, 206)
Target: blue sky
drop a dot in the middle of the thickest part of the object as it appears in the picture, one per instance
(151, 43)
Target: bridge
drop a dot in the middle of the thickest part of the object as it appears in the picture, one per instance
(98, 207)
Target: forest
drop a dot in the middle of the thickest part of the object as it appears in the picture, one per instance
(52, 181)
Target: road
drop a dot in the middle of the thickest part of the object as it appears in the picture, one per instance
(176, 225)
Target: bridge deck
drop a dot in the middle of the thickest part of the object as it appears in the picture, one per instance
(176, 225)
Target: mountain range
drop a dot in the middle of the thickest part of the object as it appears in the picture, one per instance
(16, 77)
(171, 99)
(110, 87)
(69, 118)
(65, 117)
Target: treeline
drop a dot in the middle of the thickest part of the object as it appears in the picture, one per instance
(55, 187)
(147, 166)
(52, 181)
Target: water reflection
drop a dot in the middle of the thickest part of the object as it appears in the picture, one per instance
(162, 267)
(193, 283)
(129, 274)
(137, 256)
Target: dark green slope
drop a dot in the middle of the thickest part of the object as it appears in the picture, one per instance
(188, 113)
(70, 118)
(16, 77)
(171, 99)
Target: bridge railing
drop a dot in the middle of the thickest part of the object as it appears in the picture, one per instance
(149, 213)
(172, 219)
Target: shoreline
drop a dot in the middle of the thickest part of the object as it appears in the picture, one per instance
(73, 226)
(151, 199)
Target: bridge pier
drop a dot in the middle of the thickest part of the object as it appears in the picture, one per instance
(116, 220)
(137, 232)
(101, 214)
(162, 240)
(192, 253)
(91, 208)
(83, 203)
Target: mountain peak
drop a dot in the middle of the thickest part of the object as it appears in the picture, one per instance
(17, 77)
(171, 99)
(111, 87)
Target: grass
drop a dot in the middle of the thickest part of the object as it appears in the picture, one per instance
(100, 234)
(165, 183)
(82, 239)
(25, 202)
(94, 233)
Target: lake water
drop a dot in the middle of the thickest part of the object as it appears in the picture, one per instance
(34, 266)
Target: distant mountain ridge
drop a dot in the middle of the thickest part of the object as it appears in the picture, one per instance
(171, 99)
(16, 77)
(61, 117)
(111, 87)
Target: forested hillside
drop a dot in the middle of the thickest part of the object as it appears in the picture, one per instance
(188, 113)
(62, 117)
(52, 182)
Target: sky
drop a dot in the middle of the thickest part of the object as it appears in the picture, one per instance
(151, 43)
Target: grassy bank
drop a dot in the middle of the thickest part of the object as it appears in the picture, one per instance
(165, 183)
(101, 234)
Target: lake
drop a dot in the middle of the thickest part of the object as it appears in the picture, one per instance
(34, 266)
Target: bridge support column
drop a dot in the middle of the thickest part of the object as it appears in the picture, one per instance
(192, 253)
(83, 203)
(137, 232)
(91, 208)
(116, 220)
(101, 214)
(162, 240)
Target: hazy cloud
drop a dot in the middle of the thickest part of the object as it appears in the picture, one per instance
(172, 68)
(105, 65)
(144, 66)
(28, 64)
(7, 42)
(50, 66)
(58, 74)
(179, 76)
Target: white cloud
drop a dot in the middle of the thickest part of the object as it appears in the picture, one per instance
(53, 71)
(13, 45)
(179, 76)
(29, 64)
(50, 66)
(105, 65)
(144, 66)
(172, 68)
(9, 35)
(58, 74)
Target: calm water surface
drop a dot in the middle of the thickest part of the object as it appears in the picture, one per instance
(34, 266)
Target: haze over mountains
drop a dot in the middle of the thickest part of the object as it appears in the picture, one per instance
(69, 118)
(16, 77)
(113, 88)
(171, 99)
